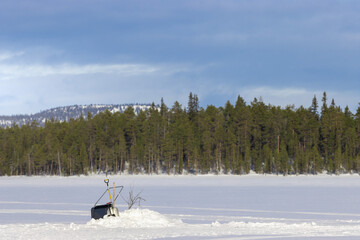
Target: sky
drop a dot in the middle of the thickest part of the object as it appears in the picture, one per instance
(65, 52)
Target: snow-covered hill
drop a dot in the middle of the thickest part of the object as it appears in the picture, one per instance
(68, 112)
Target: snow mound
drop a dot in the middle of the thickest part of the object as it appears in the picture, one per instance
(136, 218)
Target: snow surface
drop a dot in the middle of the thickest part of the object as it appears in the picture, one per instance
(184, 207)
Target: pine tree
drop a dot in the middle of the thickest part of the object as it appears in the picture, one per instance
(337, 160)
(284, 159)
(268, 158)
(314, 106)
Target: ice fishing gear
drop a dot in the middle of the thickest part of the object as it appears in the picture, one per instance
(107, 185)
(108, 209)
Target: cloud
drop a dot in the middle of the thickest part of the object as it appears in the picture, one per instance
(30, 88)
(13, 71)
(39, 62)
(276, 92)
(218, 94)
(9, 55)
(299, 96)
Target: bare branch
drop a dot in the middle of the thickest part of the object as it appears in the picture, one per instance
(133, 198)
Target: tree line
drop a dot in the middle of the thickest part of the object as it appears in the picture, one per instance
(234, 139)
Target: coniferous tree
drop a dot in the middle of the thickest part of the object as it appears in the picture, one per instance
(284, 159)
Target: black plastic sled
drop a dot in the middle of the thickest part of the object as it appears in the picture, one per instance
(100, 211)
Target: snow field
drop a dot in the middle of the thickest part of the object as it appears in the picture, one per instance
(184, 207)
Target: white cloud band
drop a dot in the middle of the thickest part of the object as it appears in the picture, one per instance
(12, 71)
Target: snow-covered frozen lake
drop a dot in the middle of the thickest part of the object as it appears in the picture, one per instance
(184, 207)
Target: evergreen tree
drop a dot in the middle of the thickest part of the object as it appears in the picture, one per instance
(284, 159)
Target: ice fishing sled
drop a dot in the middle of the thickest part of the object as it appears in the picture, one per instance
(108, 209)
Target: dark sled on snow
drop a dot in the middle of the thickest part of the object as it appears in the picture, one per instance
(100, 211)
(108, 209)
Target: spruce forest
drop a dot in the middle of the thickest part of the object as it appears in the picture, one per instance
(233, 139)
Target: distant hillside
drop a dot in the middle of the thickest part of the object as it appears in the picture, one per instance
(68, 112)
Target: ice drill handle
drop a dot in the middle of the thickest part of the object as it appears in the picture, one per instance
(107, 184)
